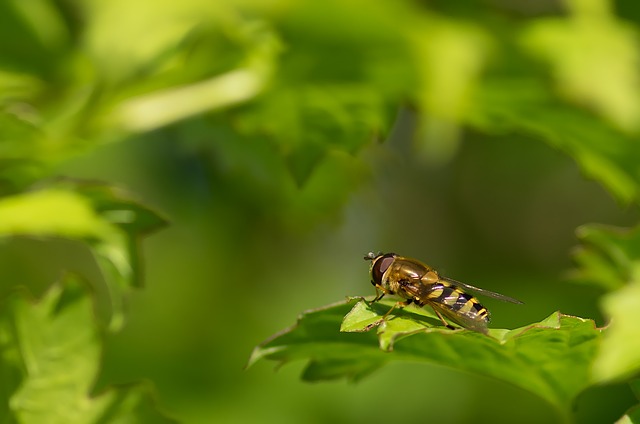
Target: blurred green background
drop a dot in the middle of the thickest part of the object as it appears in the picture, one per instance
(285, 139)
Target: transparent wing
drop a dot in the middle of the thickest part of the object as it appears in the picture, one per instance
(481, 291)
(451, 305)
(469, 320)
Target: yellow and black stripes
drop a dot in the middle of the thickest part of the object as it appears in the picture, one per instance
(455, 300)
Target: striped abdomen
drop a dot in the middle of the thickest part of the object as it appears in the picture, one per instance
(455, 304)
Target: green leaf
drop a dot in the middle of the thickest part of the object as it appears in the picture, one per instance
(151, 111)
(610, 257)
(168, 105)
(102, 217)
(52, 351)
(51, 212)
(132, 220)
(620, 353)
(632, 416)
(550, 359)
(635, 387)
(607, 257)
(316, 337)
(526, 105)
(440, 45)
(361, 318)
(592, 38)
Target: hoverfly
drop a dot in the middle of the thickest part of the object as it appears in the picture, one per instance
(420, 284)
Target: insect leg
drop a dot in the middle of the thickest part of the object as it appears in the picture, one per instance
(446, 324)
(398, 304)
(378, 296)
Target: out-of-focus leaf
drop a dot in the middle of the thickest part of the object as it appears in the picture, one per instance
(342, 96)
(449, 57)
(629, 418)
(158, 109)
(635, 387)
(119, 208)
(620, 353)
(41, 31)
(608, 257)
(52, 351)
(551, 359)
(328, 187)
(52, 213)
(45, 21)
(633, 414)
(318, 122)
(525, 105)
(165, 106)
(161, 29)
(594, 58)
(105, 219)
(18, 85)
(308, 122)
(262, 180)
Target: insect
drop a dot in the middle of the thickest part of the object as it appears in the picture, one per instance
(420, 284)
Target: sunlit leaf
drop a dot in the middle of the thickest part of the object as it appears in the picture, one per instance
(148, 112)
(106, 220)
(620, 353)
(51, 213)
(550, 359)
(53, 349)
(592, 39)
(610, 258)
(450, 57)
(162, 29)
(361, 318)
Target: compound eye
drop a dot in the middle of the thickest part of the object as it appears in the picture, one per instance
(380, 265)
